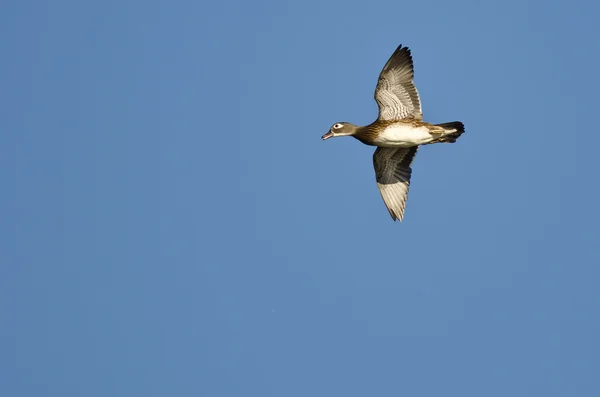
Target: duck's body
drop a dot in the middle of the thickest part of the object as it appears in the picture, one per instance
(398, 131)
(402, 133)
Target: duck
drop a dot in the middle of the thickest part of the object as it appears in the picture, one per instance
(398, 132)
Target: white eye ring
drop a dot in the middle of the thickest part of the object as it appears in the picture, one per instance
(337, 126)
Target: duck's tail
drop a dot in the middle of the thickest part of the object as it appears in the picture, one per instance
(452, 131)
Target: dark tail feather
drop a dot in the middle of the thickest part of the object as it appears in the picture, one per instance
(454, 128)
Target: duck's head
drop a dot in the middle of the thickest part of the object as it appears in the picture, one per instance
(340, 129)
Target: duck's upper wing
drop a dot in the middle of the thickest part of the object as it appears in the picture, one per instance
(396, 93)
(392, 171)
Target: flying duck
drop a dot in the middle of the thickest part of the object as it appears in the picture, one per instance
(398, 131)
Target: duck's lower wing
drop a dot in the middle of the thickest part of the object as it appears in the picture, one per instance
(392, 171)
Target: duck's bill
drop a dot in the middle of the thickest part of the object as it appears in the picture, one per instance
(327, 136)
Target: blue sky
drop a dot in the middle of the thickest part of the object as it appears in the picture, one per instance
(173, 224)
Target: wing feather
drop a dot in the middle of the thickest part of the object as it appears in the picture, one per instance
(393, 172)
(396, 93)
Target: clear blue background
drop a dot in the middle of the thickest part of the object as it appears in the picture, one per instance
(173, 225)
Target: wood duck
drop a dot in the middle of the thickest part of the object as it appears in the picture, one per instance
(398, 131)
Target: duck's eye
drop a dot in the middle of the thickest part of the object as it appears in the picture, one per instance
(337, 126)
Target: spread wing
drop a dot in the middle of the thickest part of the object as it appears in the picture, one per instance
(392, 171)
(396, 93)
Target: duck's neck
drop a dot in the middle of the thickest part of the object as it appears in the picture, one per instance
(368, 133)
